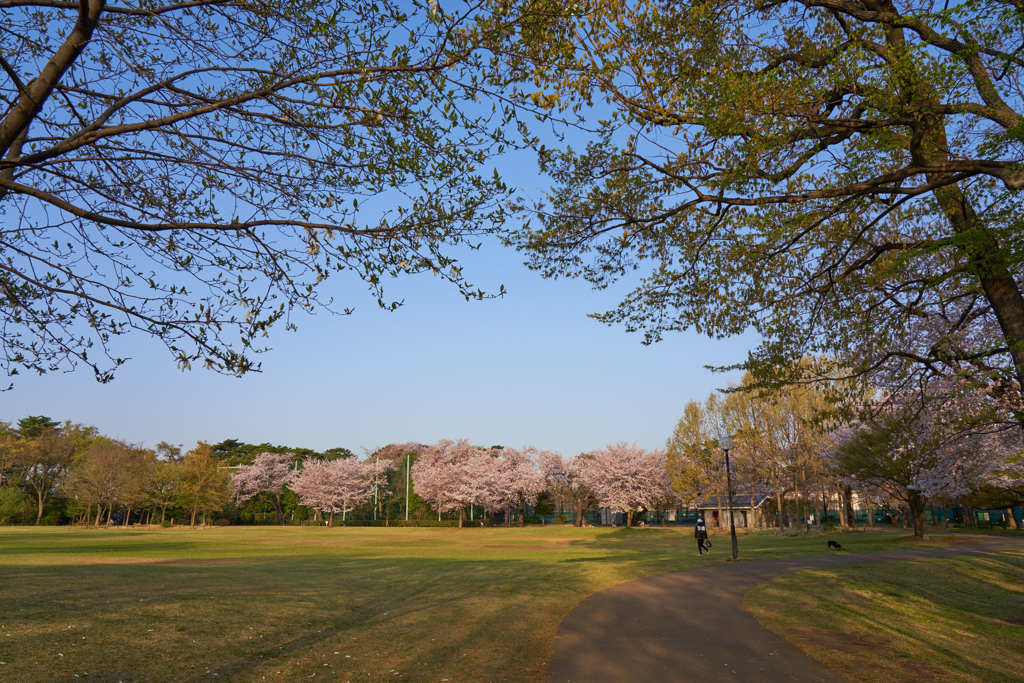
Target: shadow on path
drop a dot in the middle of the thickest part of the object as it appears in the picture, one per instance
(691, 626)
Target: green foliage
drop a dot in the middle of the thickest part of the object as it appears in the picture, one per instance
(15, 505)
(203, 485)
(35, 425)
(235, 452)
(545, 505)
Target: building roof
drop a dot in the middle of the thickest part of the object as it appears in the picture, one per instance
(738, 501)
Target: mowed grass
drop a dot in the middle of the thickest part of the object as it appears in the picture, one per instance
(254, 603)
(951, 619)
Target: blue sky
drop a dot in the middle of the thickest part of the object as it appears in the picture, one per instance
(527, 369)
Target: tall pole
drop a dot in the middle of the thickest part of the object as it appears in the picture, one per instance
(407, 486)
(732, 522)
(725, 443)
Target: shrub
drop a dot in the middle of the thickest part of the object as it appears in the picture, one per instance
(220, 521)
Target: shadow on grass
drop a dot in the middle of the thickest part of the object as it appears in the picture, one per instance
(948, 619)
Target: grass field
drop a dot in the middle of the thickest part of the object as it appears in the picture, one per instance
(354, 603)
(952, 619)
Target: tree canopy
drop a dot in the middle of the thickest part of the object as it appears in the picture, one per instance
(841, 176)
(195, 170)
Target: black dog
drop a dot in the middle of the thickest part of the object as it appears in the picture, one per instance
(834, 545)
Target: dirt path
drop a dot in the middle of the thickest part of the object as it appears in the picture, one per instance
(691, 626)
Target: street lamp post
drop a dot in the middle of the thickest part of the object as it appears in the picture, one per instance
(725, 443)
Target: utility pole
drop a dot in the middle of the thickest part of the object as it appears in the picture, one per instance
(725, 443)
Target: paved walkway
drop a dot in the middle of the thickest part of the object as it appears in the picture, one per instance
(691, 626)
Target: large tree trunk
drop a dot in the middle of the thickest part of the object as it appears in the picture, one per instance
(39, 499)
(916, 506)
(462, 516)
(824, 506)
(579, 514)
(128, 516)
(629, 518)
(841, 505)
(986, 259)
(848, 506)
(163, 514)
(988, 263)
(1012, 521)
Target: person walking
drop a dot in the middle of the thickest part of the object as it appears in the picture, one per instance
(700, 532)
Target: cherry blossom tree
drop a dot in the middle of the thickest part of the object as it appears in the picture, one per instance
(622, 478)
(454, 474)
(564, 478)
(312, 485)
(333, 486)
(661, 494)
(269, 473)
(937, 442)
(353, 481)
(484, 482)
(519, 479)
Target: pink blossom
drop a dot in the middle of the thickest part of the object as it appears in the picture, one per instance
(454, 474)
(269, 472)
(625, 478)
(335, 485)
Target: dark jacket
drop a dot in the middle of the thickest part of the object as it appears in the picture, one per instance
(700, 531)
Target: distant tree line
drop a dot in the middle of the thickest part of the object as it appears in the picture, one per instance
(63, 473)
(786, 445)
